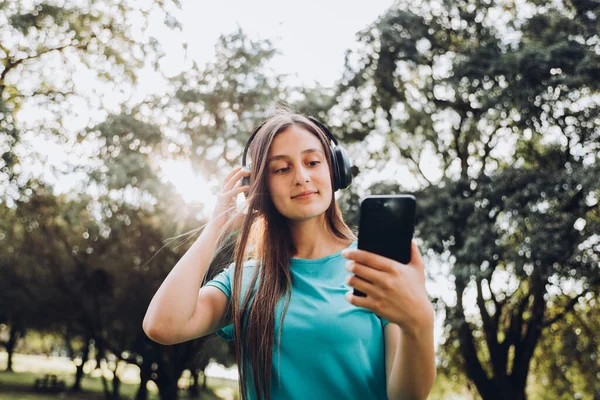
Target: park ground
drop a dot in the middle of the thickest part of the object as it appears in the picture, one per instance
(18, 385)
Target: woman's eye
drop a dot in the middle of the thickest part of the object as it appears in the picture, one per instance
(284, 170)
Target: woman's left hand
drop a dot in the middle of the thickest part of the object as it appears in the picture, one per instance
(395, 291)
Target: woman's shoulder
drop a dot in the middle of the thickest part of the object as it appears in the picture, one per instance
(349, 244)
(251, 263)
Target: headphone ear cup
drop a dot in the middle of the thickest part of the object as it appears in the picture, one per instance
(342, 173)
(246, 179)
(336, 170)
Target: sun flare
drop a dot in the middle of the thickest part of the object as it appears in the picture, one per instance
(192, 187)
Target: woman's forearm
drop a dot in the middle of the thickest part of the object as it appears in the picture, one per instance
(175, 300)
(414, 371)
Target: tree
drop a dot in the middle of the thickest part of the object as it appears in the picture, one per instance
(46, 43)
(26, 292)
(98, 254)
(14, 305)
(137, 211)
(506, 110)
(566, 362)
(219, 105)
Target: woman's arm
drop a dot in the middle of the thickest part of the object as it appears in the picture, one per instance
(179, 299)
(179, 310)
(411, 369)
(396, 292)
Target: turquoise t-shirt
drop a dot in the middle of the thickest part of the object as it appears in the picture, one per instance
(330, 349)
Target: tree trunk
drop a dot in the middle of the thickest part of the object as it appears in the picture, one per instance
(194, 389)
(107, 394)
(167, 385)
(16, 332)
(9, 367)
(79, 373)
(171, 361)
(116, 383)
(145, 372)
(116, 388)
(168, 372)
(168, 390)
(99, 358)
(503, 391)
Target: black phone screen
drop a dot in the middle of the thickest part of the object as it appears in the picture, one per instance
(386, 226)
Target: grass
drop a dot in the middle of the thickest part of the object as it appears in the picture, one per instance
(18, 385)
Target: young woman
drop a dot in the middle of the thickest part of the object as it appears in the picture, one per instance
(300, 333)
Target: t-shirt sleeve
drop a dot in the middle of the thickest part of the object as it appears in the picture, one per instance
(223, 281)
(384, 321)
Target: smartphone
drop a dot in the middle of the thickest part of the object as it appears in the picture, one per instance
(386, 226)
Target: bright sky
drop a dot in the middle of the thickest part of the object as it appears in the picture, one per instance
(311, 35)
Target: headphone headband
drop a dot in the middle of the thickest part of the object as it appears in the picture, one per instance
(250, 140)
(313, 120)
(342, 175)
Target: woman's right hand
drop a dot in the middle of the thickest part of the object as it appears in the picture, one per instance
(226, 200)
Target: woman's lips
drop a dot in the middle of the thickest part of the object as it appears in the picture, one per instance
(304, 196)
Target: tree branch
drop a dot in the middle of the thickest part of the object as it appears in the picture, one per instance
(46, 93)
(14, 63)
(491, 334)
(416, 163)
(571, 303)
(525, 347)
(487, 149)
(513, 333)
(498, 304)
(461, 106)
(4, 49)
(467, 344)
(457, 146)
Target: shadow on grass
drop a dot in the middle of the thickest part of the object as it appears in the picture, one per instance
(19, 386)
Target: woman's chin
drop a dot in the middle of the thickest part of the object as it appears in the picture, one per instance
(306, 215)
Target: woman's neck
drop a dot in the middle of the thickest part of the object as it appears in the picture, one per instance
(313, 240)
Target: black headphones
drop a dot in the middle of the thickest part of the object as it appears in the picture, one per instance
(342, 175)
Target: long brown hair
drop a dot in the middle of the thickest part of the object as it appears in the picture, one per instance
(271, 247)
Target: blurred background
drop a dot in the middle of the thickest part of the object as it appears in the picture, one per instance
(119, 120)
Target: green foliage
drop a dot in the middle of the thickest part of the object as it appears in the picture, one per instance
(47, 45)
(506, 101)
(220, 104)
(567, 364)
(130, 143)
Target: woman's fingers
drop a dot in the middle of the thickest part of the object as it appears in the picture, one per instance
(235, 179)
(361, 284)
(226, 204)
(367, 273)
(415, 256)
(230, 174)
(236, 190)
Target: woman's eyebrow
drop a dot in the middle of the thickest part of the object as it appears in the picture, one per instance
(283, 156)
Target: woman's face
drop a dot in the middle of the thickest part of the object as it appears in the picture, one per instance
(297, 164)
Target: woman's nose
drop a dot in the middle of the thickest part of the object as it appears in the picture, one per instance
(301, 175)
